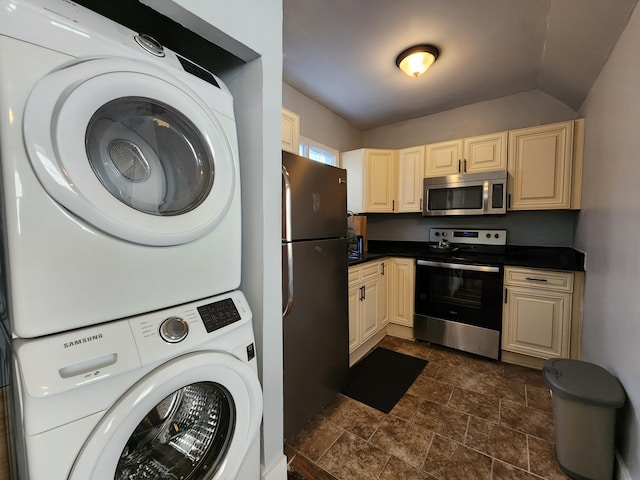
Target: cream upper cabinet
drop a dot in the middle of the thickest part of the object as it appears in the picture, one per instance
(537, 312)
(443, 158)
(484, 153)
(290, 131)
(401, 290)
(371, 180)
(545, 166)
(410, 179)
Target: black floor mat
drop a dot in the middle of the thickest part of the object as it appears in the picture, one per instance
(382, 378)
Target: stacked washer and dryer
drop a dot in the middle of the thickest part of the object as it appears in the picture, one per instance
(133, 352)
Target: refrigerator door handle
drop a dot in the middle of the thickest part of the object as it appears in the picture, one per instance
(287, 237)
(289, 304)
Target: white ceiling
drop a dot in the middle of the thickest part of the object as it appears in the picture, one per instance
(342, 53)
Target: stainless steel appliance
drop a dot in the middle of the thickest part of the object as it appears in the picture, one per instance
(466, 194)
(458, 297)
(314, 285)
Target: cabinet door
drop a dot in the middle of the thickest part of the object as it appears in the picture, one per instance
(379, 181)
(485, 153)
(443, 158)
(536, 322)
(383, 288)
(401, 291)
(410, 179)
(290, 131)
(540, 167)
(354, 315)
(370, 309)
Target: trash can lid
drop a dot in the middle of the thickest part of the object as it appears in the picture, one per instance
(583, 381)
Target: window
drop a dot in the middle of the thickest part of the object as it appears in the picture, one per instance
(318, 152)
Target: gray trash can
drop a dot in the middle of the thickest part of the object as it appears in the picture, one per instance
(585, 399)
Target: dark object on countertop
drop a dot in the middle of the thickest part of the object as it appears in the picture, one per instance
(382, 378)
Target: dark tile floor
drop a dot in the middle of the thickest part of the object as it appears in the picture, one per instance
(463, 418)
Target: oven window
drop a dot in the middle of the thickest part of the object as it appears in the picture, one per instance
(459, 198)
(455, 288)
(464, 296)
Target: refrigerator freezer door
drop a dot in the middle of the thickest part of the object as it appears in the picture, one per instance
(315, 329)
(314, 199)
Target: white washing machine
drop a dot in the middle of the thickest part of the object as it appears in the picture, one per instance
(120, 176)
(172, 394)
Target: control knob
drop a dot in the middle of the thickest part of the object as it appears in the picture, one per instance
(174, 329)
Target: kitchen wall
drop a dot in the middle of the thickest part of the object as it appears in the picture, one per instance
(319, 123)
(554, 228)
(506, 113)
(608, 229)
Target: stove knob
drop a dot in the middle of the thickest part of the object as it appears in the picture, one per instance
(437, 234)
(444, 234)
(174, 329)
(488, 235)
(497, 235)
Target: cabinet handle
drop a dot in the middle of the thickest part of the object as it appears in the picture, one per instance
(459, 171)
(420, 204)
(506, 290)
(465, 165)
(382, 268)
(393, 205)
(364, 292)
(536, 279)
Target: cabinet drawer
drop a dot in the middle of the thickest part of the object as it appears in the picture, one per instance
(370, 270)
(547, 279)
(354, 275)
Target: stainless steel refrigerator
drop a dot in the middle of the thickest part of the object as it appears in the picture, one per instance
(314, 287)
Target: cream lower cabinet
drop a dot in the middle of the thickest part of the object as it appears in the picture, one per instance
(402, 273)
(367, 307)
(537, 313)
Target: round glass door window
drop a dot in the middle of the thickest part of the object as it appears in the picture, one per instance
(186, 436)
(149, 156)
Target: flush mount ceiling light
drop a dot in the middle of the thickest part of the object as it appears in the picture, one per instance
(414, 61)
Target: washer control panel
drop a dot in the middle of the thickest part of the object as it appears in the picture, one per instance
(219, 314)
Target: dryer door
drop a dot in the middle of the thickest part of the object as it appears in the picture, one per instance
(191, 419)
(130, 150)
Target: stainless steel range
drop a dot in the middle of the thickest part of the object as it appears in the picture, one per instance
(458, 300)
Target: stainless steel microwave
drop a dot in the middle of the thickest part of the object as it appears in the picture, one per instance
(466, 194)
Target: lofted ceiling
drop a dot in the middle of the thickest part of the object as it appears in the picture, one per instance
(341, 53)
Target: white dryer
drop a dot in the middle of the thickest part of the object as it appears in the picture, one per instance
(169, 395)
(120, 175)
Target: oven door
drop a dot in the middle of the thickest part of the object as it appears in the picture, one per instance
(469, 294)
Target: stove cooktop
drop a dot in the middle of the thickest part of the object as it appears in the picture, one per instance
(470, 246)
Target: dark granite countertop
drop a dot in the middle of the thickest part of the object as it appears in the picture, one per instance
(534, 256)
(366, 257)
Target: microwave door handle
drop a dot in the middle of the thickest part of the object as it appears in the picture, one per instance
(485, 197)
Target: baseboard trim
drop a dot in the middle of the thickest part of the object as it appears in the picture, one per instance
(277, 470)
(621, 469)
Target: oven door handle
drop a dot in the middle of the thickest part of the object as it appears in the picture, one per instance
(459, 266)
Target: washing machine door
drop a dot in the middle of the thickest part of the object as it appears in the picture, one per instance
(131, 150)
(193, 418)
